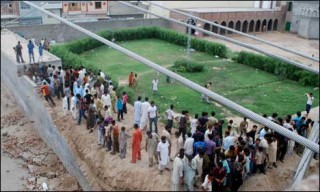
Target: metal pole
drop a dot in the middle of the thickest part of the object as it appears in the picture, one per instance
(307, 155)
(235, 31)
(255, 117)
(287, 61)
(188, 44)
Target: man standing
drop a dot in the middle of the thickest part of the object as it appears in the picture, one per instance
(131, 76)
(136, 144)
(189, 169)
(184, 119)
(41, 47)
(18, 50)
(46, 93)
(170, 116)
(137, 111)
(153, 116)
(309, 102)
(115, 137)
(163, 153)
(106, 99)
(123, 142)
(119, 108)
(177, 173)
(144, 114)
(243, 127)
(30, 51)
(151, 146)
(188, 145)
(166, 132)
(155, 85)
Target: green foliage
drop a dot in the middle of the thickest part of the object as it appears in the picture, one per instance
(184, 65)
(129, 92)
(278, 67)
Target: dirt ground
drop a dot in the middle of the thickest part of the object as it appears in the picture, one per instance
(287, 40)
(26, 161)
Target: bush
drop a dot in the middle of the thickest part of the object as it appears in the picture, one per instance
(278, 67)
(190, 67)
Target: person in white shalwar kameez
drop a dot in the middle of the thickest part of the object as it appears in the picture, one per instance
(106, 99)
(73, 107)
(199, 162)
(65, 105)
(144, 114)
(189, 172)
(137, 111)
(163, 154)
(177, 172)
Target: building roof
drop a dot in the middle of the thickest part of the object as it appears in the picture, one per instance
(10, 39)
(52, 5)
(217, 10)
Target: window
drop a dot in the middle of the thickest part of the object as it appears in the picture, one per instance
(10, 5)
(74, 7)
(290, 6)
(97, 5)
(24, 6)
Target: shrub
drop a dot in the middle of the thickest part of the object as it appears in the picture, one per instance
(278, 67)
(188, 66)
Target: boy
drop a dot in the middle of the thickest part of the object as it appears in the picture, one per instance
(260, 157)
(115, 137)
(123, 142)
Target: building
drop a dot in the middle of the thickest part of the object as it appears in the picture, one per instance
(54, 7)
(29, 15)
(9, 12)
(244, 16)
(303, 18)
(85, 11)
(118, 11)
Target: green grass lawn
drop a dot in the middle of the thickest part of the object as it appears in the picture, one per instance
(254, 89)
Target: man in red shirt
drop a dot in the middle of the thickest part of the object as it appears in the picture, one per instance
(46, 93)
(218, 177)
(136, 143)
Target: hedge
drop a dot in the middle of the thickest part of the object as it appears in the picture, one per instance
(278, 67)
(190, 66)
(86, 44)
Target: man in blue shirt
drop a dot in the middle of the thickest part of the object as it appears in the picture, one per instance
(77, 89)
(30, 51)
(199, 145)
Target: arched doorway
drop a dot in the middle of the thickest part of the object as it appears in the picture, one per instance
(206, 27)
(269, 25)
(238, 25)
(251, 26)
(223, 31)
(264, 25)
(230, 25)
(258, 24)
(245, 26)
(275, 25)
(215, 29)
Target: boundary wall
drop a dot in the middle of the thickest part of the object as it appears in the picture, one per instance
(25, 93)
(64, 33)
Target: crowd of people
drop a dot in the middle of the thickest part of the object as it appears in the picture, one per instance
(205, 156)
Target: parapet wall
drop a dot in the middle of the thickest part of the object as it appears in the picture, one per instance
(25, 94)
(64, 33)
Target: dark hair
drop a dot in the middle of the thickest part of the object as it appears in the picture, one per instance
(274, 115)
(139, 98)
(136, 126)
(229, 127)
(298, 113)
(196, 116)
(213, 113)
(231, 121)
(171, 106)
(146, 99)
(232, 148)
(189, 134)
(152, 102)
(210, 136)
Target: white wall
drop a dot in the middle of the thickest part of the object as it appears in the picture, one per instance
(46, 19)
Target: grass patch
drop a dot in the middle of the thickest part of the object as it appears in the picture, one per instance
(242, 84)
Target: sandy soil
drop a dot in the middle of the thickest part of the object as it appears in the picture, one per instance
(288, 40)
